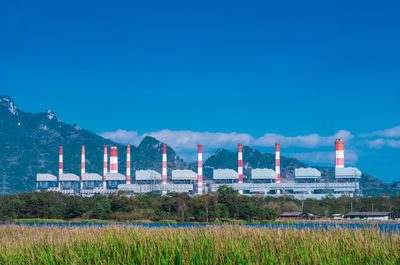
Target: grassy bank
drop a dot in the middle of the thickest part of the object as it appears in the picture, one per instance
(216, 244)
(52, 221)
(164, 221)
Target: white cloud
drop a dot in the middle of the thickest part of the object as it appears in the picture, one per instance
(188, 140)
(123, 137)
(393, 143)
(305, 141)
(324, 157)
(382, 138)
(185, 142)
(379, 143)
(387, 133)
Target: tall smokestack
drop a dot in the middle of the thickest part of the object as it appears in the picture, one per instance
(164, 165)
(200, 170)
(128, 164)
(60, 161)
(339, 153)
(113, 159)
(278, 162)
(278, 165)
(105, 166)
(60, 165)
(82, 165)
(240, 163)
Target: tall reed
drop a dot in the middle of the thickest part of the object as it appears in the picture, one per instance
(197, 245)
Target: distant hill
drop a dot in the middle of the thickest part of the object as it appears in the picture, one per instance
(29, 145)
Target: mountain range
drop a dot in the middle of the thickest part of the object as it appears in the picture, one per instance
(29, 145)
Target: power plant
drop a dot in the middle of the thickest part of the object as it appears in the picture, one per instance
(264, 181)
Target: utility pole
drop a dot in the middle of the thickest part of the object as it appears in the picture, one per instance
(351, 205)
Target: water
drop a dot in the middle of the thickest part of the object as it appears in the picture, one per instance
(391, 228)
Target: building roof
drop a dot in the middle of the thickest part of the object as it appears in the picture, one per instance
(46, 177)
(263, 173)
(292, 214)
(306, 173)
(147, 175)
(347, 172)
(183, 174)
(69, 177)
(115, 176)
(225, 174)
(371, 214)
(92, 176)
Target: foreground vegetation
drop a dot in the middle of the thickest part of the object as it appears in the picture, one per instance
(224, 205)
(200, 245)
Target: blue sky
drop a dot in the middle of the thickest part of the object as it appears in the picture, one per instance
(215, 71)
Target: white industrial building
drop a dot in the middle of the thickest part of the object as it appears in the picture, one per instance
(347, 174)
(46, 182)
(307, 175)
(69, 183)
(307, 181)
(263, 175)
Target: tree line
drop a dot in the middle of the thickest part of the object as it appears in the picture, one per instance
(225, 204)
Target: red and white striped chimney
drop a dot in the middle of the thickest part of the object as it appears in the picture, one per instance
(105, 166)
(240, 163)
(82, 165)
(60, 161)
(339, 153)
(113, 159)
(200, 169)
(277, 162)
(164, 165)
(60, 165)
(128, 164)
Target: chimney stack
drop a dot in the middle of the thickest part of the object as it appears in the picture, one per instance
(240, 163)
(60, 165)
(164, 165)
(82, 165)
(278, 165)
(105, 166)
(128, 164)
(200, 170)
(339, 153)
(113, 159)
(277, 162)
(60, 162)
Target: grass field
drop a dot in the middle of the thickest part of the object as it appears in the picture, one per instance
(200, 245)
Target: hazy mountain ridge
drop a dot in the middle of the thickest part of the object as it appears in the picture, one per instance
(29, 145)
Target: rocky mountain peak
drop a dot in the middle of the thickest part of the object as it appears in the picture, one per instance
(51, 115)
(8, 104)
(152, 142)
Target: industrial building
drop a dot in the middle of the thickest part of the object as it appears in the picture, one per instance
(347, 174)
(263, 175)
(307, 175)
(69, 183)
(46, 182)
(264, 181)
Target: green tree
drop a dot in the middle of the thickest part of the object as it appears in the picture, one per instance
(102, 209)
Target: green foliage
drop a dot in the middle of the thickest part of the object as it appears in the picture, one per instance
(101, 209)
(225, 204)
(225, 244)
